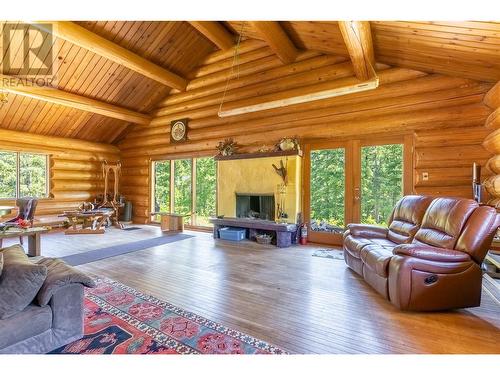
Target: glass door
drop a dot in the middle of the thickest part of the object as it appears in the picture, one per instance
(356, 181)
(326, 191)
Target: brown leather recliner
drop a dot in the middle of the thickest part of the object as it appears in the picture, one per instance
(430, 255)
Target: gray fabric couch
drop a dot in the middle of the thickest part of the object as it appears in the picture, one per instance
(54, 318)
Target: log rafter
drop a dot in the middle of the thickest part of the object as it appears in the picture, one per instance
(214, 32)
(277, 39)
(358, 40)
(84, 38)
(17, 86)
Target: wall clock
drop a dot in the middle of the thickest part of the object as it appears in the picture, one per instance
(178, 130)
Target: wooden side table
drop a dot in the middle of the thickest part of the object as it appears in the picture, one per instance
(33, 234)
(171, 222)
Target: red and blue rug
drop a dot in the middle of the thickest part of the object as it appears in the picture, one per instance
(122, 320)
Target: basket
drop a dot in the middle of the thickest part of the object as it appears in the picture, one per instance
(264, 239)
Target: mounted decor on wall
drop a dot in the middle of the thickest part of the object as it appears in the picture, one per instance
(178, 130)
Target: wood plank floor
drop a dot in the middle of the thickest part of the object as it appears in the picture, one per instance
(287, 297)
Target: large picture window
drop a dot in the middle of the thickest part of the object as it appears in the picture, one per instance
(186, 187)
(23, 175)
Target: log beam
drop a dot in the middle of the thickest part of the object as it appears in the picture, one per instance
(358, 40)
(84, 38)
(492, 97)
(214, 32)
(277, 39)
(16, 86)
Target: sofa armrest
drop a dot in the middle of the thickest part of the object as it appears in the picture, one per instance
(59, 275)
(431, 253)
(367, 231)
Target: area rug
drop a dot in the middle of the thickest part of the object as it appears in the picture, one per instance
(329, 253)
(112, 251)
(122, 320)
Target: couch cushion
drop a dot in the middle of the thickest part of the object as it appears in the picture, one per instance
(30, 322)
(407, 218)
(353, 245)
(20, 281)
(377, 259)
(443, 221)
(383, 242)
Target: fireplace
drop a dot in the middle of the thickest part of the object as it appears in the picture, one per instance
(259, 206)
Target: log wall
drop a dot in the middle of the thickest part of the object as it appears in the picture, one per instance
(446, 114)
(75, 168)
(492, 144)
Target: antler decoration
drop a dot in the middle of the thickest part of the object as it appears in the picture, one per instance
(281, 171)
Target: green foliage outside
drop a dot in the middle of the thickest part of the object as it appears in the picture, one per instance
(381, 182)
(206, 186)
(328, 186)
(8, 174)
(162, 186)
(32, 175)
(182, 188)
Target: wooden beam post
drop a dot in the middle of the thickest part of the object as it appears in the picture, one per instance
(17, 86)
(84, 38)
(277, 39)
(214, 32)
(358, 40)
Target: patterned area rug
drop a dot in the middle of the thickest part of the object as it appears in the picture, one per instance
(329, 253)
(122, 320)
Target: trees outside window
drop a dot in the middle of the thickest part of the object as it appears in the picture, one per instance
(23, 175)
(193, 190)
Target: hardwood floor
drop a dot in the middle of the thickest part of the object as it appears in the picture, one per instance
(287, 297)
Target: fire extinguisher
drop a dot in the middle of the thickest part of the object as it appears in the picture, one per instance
(303, 234)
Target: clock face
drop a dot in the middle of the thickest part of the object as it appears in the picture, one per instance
(178, 131)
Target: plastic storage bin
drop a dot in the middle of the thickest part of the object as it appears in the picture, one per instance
(232, 233)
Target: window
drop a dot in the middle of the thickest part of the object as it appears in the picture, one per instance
(23, 175)
(206, 185)
(185, 186)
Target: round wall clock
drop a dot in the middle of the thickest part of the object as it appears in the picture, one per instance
(178, 130)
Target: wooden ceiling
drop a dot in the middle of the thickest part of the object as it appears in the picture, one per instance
(461, 49)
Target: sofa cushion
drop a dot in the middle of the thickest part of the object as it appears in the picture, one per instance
(353, 245)
(383, 242)
(376, 258)
(431, 253)
(407, 218)
(443, 221)
(20, 281)
(59, 274)
(30, 322)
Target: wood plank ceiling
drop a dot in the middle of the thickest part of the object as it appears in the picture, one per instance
(461, 49)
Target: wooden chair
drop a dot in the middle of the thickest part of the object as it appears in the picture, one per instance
(26, 211)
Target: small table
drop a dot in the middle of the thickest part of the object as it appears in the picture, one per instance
(90, 222)
(33, 234)
(171, 222)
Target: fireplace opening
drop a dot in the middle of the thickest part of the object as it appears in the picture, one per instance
(257, 206)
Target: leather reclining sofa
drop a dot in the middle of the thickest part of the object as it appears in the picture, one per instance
(429, 258)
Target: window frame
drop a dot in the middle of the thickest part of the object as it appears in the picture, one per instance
(18, 174)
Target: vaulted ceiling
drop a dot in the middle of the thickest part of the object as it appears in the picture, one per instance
(461, 49)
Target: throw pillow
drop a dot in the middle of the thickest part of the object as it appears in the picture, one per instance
(20, 281)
